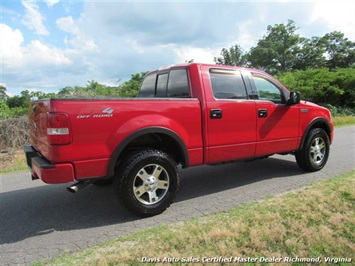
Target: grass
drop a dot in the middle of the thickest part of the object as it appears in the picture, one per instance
(340, 121)
(13, 162)
(317, 222)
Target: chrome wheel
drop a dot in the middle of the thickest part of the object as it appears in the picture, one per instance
(147, 182)
(151, 184)
(317, 151)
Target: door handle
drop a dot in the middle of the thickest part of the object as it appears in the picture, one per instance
(262, 113)
(216, 114)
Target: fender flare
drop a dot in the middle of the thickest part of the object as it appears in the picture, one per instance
(150, 130)
(319, 120)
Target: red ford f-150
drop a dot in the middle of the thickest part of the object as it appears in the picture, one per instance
(188, 115)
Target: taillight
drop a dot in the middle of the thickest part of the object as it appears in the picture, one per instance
(58, 129)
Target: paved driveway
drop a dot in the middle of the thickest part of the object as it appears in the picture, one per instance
(40, 221)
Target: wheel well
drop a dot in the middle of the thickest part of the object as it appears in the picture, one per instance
(320, 123)
(157, 141)
(151, 138)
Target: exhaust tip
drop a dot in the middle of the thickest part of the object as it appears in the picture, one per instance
(73, 189)
(78, 186)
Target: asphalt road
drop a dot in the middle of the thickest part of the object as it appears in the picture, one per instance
(40, 221)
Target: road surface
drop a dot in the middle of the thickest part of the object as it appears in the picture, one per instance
(40, 221)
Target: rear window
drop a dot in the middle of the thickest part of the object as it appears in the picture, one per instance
(172, 84)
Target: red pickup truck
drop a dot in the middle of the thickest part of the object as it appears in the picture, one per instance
(188, 115)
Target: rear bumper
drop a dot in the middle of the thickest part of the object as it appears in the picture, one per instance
(45, 170)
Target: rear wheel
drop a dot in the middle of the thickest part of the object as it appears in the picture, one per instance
(315, 152)
(147, 182)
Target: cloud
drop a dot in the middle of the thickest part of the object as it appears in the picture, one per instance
(51, 3)
(337, 16)
(203, 55)
(246, 38)
(77, 39)
(44, 55)
(67, 24)
(33, 19)
(16, 55)
(30, 65)
(135, 37)
(11, 48)
(156, 23)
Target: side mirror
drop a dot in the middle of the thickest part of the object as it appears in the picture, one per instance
(295, 98)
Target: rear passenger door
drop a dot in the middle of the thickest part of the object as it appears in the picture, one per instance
(230, 116)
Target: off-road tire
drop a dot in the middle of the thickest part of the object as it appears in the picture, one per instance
(147, 182)
(315, 152)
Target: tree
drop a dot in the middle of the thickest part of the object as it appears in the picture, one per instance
(131, 88)
(19, 104)
(66, 92)
(234, 56)
(93, 85)
(340, 51)
(346, 79)
(309, 54)
(322, 86)
(15, 101)
(277, 50)
(3, 94)
(42, 95)
(98, 89)
(5, 111)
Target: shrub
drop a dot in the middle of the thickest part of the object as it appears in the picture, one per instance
(13, 134)
(5, 111)
(340, 111)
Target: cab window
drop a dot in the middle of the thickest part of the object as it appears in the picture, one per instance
(227, 84)
(267, 91)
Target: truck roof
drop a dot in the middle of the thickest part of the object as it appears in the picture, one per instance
(167, 67)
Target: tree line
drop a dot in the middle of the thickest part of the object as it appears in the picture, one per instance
(17, 105)
(321, 68)
(282, 50)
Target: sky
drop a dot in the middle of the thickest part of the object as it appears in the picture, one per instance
(50, 44)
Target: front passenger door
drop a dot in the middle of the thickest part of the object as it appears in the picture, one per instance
(277, 123)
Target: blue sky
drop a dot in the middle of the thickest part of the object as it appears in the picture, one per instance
(48, 45)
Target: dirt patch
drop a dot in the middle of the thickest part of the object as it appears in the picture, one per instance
(12, 161)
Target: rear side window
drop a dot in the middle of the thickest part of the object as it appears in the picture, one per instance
(173, 84)
(161, 85)
(178, 85)
(227, 84)
(148, 86)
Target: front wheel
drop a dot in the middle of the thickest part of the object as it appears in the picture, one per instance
(147, 182)
(314, 155)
